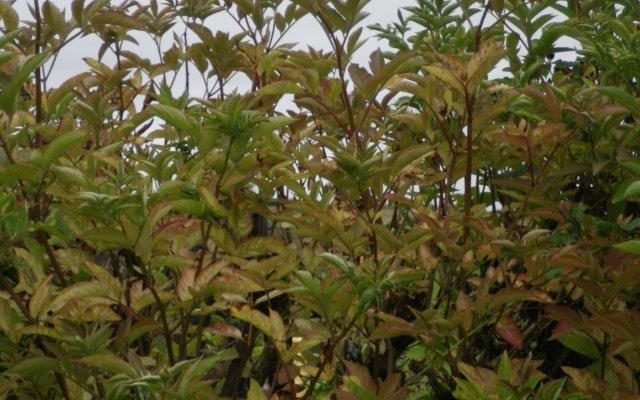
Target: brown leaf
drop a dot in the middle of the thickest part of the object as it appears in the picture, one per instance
(393, 328)
(362, 373)
(186, 282)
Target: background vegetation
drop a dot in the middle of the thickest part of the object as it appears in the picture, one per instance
(456, 219)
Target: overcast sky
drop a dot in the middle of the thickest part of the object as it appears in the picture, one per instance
(307, 32)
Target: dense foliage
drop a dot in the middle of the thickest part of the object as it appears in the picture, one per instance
(456, 219)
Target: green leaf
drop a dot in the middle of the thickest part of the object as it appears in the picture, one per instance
(81, 290)
(190, 381)
(632, 165)
(105, 238)
(269, 325)
(71, 176)
(497, 5)
(54, 18)
(213, 205)
(41, 331)
(482, 63)
(447, 77)
(35, 367)
(10, 93)
(176, 118)
(57, 148)
(630, 246)
(337, 262)
(620, 96)
(191, 377)
(279, 89)
(109, 363)
(580, 343)
(400, 160)
(255, 392)
(190, 207)
(4, 40)
(117, 19)
(77, 11)
(9, 16)
(626, 191)
(466, 390)
(257, 246)
(40, 296)
(104, 277)
(5, 57)
(552, 390)
(504, 367)
(207, 364)
(13, 173)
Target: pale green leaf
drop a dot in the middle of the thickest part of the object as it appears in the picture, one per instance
(447, 77)
(255, 318)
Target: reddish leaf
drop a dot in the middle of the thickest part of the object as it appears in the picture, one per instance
(509, 332)
(561, 328)
(225, 330)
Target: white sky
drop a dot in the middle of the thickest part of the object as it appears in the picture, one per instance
(307, 32)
